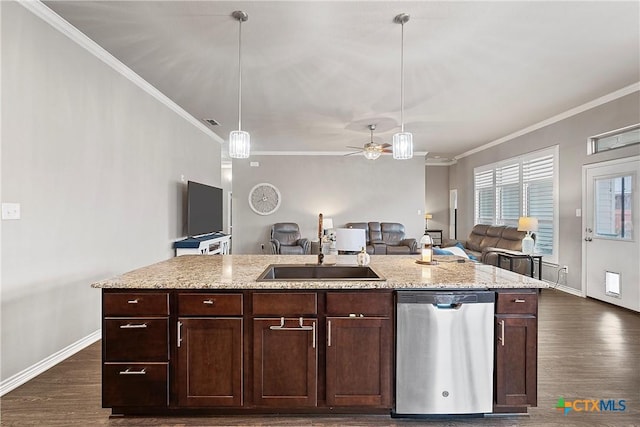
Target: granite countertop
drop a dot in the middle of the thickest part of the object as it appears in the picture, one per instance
(240, 272)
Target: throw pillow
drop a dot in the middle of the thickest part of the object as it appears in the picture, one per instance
(468, 255)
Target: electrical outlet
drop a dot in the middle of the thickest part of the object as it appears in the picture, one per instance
(565, 268)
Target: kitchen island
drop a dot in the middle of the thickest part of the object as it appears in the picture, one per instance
(199, 334)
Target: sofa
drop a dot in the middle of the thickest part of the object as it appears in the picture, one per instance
(386, 238)
(485, 241)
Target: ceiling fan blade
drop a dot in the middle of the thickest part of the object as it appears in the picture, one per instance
(351, 154)
(356, 148)
(387, 151)
(385, 145)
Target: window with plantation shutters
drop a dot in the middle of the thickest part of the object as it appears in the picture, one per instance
(522, 186)
(538, 200)
(508, 195)
(484, 197)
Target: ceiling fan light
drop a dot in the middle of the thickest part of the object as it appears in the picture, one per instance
(239, 144)
(402, 146)
(371, 154)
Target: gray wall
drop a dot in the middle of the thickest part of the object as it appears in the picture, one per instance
(571, 135)
(437, 197)
(96, 164)
(347, 189)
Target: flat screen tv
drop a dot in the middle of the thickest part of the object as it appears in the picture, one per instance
(204, 209)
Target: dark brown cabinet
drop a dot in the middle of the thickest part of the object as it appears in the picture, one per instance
(358, 366)
(135, 368)
(516, 350)
(209, 350)
(285, 362)
(359, 348)
(209, 362)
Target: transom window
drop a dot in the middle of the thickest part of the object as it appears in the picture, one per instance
(521, 186)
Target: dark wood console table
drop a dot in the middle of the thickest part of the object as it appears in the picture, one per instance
(512, 255)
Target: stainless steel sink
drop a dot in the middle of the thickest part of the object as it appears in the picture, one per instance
(320, 273)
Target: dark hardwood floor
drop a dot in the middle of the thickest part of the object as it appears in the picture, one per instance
(587, 350)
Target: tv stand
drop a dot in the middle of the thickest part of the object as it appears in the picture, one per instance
(208, 244)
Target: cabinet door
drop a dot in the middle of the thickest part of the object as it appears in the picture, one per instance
(285, 362)
(359, 361)
(516, 360)
(209, 362)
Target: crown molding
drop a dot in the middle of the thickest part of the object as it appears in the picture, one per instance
(635, 87)
(56, 21)
(316, 153)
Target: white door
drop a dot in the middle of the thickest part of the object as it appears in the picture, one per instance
(611, 244)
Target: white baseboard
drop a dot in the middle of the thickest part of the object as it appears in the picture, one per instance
(567, 289)
(33, 371)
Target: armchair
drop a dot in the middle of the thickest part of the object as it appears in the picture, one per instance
(286, 240)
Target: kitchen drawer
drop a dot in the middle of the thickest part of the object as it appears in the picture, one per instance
(135, 304)
(135, 384)
(284, 304)
(136, 339)
(367, 303)
(517, 303)
(207, 304)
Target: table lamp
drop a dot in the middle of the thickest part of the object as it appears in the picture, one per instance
(426, 250)
(528, 224)
(350, 240)
(427, 217)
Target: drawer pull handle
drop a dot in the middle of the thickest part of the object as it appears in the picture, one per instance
(132, 326)
(133, 301)
(519, 300)
(208, 301)
(281, 327)
(128, 371)
(179, 334)
(501, 337)
(329, 333)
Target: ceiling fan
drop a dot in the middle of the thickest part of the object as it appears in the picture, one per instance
(371, 150)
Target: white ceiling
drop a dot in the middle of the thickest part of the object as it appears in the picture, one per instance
(315, 74)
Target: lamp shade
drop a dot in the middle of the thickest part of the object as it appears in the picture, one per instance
(402, 146)
(239, 144)
(371, 154)
(428, 216)
(527, 223)
(327, 223)
(350, 239)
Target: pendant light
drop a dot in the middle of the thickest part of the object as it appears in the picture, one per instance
(402, 141)
(239, 140)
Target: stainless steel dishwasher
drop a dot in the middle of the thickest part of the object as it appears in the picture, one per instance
(444, 352)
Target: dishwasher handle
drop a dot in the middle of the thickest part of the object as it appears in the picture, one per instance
(453, 306)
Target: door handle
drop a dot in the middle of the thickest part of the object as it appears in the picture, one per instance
(501, 337)
(588, 239)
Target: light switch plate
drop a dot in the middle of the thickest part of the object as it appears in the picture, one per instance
(11, 211)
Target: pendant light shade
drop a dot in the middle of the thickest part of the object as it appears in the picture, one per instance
(402, 146)
(403, 141)
(239, 140)
(239, 144)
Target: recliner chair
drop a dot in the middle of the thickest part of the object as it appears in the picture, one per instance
(286, 240)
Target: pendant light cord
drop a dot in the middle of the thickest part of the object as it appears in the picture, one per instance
(402, 81)
(240, 75)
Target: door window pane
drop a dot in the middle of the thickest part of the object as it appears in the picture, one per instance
(613, 213)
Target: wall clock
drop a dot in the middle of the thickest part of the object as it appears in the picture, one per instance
(264, 199)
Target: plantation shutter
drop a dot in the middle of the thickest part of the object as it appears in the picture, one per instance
(538, 198)
(484, 197)
(508, 194)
